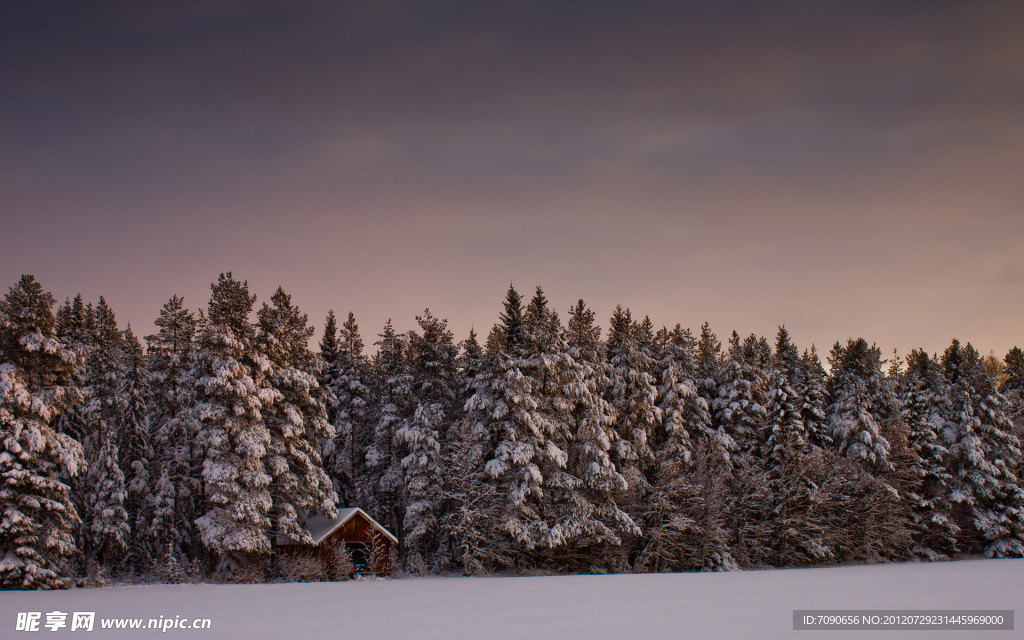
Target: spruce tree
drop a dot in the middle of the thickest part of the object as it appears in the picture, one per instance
(1013, 388)
(862, 399)
(229, 405)
(810, 385)
(923, 396)
(686, 414)
(511, 320)
(136, 452)
(349, 384)
(295, 419)
(739, 409)
(393, 390)
(633, 394)
(39, 518)
(435, 389)
(984, 455)
(588, 513)
(177, 470)
(107, 528)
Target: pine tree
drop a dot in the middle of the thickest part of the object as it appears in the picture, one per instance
(435, 389)
(229, 405)
(784, 426)
(587, 512)
(329, 355)
(177, 470)
(107, 528)
(349, 384)
(709, 368)
(810, 385)
(923, 396)
(1013, 388)
(526, 421)
(393, 390)
(136, 451)
(686, 415)
(512, 320)
(296, 419)
(633, 394)
(739, 409)
(39, 517)
(861, 397)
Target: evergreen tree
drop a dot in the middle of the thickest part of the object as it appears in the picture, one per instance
(512, 320)
(39, 518)
(435, 389)
(633, 394)
(295, 419)
(1013, 388)
(229, 405)
(923, 396)
(861, 398)
(686, 414)
(983, 456)
(329, 355)
(136, 451)
(739, 409)
(349, 384)
(810, 385)
(107, 528)
(1014, 367)
(393, 390)
(587, 511)
(177, 469)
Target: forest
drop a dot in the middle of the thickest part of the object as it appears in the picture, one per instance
(544, 447)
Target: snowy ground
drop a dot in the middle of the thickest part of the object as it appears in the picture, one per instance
(757, 604)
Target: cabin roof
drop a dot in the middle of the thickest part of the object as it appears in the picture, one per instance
(319, 527)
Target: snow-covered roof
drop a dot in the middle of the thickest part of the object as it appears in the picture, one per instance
(319, 527)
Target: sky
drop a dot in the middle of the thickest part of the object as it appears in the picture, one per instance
(848, 169)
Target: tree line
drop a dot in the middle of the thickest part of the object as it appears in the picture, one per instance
(551, 446)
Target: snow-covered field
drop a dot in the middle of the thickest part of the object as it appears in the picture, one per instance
(756, 604)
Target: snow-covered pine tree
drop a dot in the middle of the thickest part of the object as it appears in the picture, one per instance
(710, 361)
(517, 422)
(107, 529)
(349, 384)
(686, 414)
(470, 363)
(136, 452)
(393, 392)
(810, 385)
(474, 500)
(229, 405)
(588, 513)
(1013, 388)
(177, 470)
(435, 390)
(633, 394)
(39, 518)
(983, 457)
(861, 400)
(739, 409)
(923, 395)
(296, 419)
(328, 356)
(784, 427)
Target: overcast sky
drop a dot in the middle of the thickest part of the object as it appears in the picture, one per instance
(846, 168)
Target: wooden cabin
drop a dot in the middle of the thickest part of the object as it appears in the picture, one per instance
(368, 542)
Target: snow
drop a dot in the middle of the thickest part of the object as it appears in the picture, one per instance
(753, 604)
